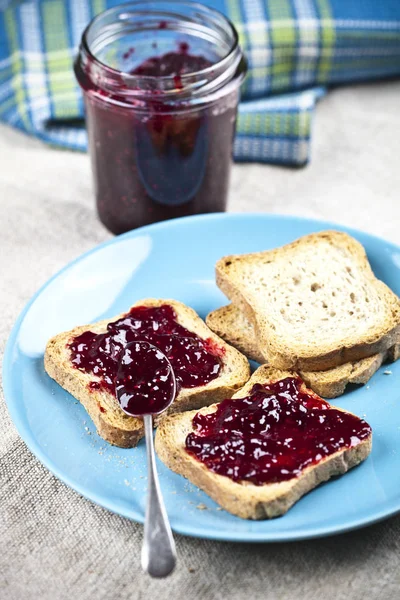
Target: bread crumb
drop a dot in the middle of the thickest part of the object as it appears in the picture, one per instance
(126, 482)
(387, 372)
(201, 507)
(191, 570)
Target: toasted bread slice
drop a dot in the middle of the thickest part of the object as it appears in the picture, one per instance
(245, 499)
(229, 323)
(315, 303)
(111, 422)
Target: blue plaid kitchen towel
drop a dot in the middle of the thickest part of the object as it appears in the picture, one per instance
(295, 49)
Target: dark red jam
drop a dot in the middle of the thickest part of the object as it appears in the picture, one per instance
(160, 162)
(195, 361)
(145, 382)
(172, 63)
(273, 434)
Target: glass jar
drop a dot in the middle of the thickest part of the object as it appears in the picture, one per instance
(161, 87)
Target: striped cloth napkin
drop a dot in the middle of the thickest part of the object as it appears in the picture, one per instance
(295, 49)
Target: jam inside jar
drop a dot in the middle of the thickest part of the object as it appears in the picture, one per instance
(161, 87)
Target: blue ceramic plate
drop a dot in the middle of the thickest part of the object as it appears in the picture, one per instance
(176, 259)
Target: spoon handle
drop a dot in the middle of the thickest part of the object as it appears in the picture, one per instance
(158, 550)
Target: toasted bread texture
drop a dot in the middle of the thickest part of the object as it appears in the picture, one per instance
(315, 303)
(111, 422)
(232, 326)
(245, 499)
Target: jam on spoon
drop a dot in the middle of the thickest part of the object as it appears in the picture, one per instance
(145, 385)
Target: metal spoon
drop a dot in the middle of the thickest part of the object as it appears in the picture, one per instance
(145, 386)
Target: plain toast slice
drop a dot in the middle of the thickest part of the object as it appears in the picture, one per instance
(315, 303)
(245, 499)
(111, 422)
(229, 323)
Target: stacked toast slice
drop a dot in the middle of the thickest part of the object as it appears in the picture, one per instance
(314, 306)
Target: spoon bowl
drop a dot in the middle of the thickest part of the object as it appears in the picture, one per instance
(145, 382)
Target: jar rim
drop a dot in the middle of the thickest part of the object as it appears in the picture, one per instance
(136, 3)
(192, 83)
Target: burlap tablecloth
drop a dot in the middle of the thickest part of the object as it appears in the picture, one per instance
(54, 545)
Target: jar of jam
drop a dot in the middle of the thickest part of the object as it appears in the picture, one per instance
(161, 87)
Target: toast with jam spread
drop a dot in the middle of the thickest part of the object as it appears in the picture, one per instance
(84, 361)
(259, 452)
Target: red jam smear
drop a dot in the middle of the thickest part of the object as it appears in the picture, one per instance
(272, 434)
(145, 381)
(172, 64)
(195, 361)
(161, 163)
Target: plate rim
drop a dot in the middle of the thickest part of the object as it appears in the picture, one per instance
(193, 531)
